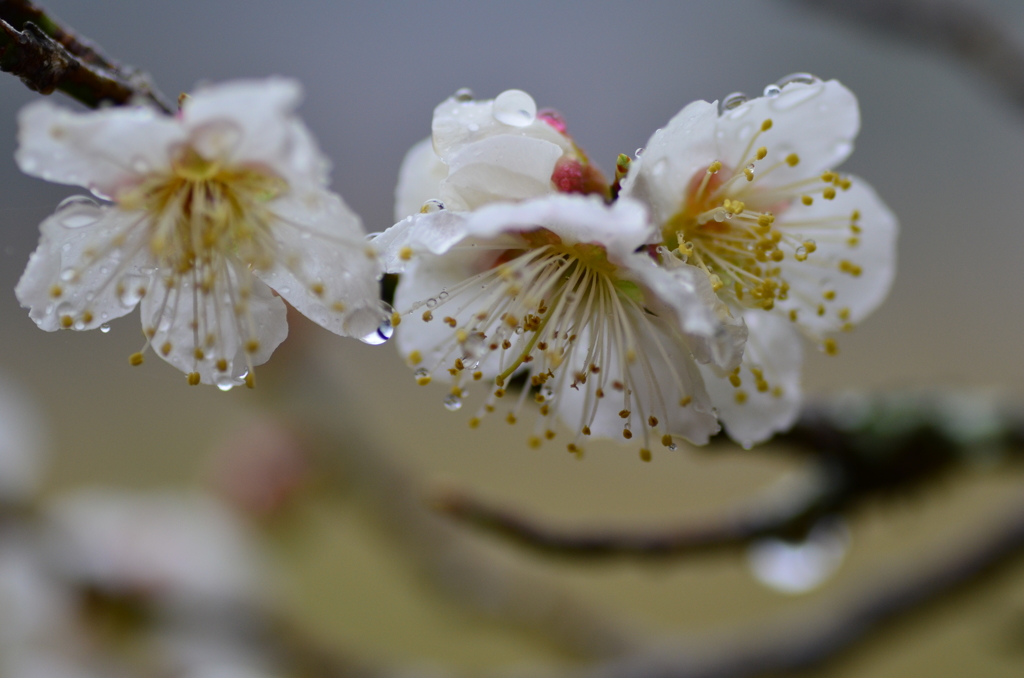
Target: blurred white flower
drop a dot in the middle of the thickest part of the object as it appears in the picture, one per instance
(22, 444)
(165, 545)
(211, 210)
(750, 198)
(555, 287)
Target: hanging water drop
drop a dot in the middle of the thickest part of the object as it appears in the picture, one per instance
(800, 78)
(104, 328)
(464, 94)
(421, 372)
(515, 107)
(673, 446)
(452, 402)
(638, 152)
(734, 100)
(772, 91)
(225, 383)
(370, 324)
(131, 289)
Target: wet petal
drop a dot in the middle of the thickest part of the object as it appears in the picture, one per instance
(105, 151)
(90, 267)
(435, 233)
(772, 403)
(419, 179)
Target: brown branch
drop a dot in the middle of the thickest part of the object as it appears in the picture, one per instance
(48, 56)
(795, 501)
(958, 29)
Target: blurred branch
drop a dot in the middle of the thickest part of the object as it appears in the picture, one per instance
(48, 56)
(959, 29)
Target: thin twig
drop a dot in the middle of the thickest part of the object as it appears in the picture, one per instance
(959, 29)
(48, 56)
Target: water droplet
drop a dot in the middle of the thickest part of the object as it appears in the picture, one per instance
(473, 347)
(548, 393)
(431, 302)
(734, 100)
(803, 566)
(801, 78)
(431, 206)
(421, 372)
(225, 382)
(77, 211)
(514, 107)
(452, 402)
(131, 289)
(443, 295)
(373, 236)
(68, 274)
(370, 324)
(720, 215)
(794, 96)
(772, 91)
(464, 94)
(638, 152)
(673, 446)
(104, 328)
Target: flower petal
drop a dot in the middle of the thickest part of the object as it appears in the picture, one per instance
(103, 151)
(324, 267)
(672, 157)
(87, 269)
(816, 121)
(665, 380)
(195, 330)
(773, 347)
(824, 272)
(419, 179)
(459, 124)
(435, 232)
(684, 294)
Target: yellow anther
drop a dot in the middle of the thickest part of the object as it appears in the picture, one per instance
(627, 434)
(645, 454)
(415, 358)
(56, 291)
(427, 316)
(855, 215)
(405, 254)
(135, 359)
(198, 353)
(845, 184)
(87, 317)
(193, 378)
(222, 365)
(533, 441)
(761, 153)
(854, 228)
(585, 430)
(792, 159)
(853, 242)
(477, 376)
(741, 397)
(847, 327)
(821, 309)
(317, 289)
(765, 220)
(252, 346)
(666, 440)
(748, 173)
(684, 401)
(474, 422)
(829, 193)
(735, 380)
(165, 349)
(810, 246)
(778, 255)
(807, 200)
(762, 385)
(716, 282)
(338, 307)
(549, 434)
(461, 336)
(766, 125)
(66, 321)
(829, 295)
(396, 319)
(624, 414)
(777, 392)
(714, 167)
(792, 315)
(499, 393)
(830, 346)
(844, 313)
(511, 418)
(768, 304)
(423, 379)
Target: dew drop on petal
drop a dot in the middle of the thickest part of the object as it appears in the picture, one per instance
(370, 324)
(802, 78)
(772, 91)
(673, 446)
(734, 100)
(638, 152)
(548, 393)
(373, 236)
(421, 372)
(131, 289)
(515, 107)
(432, 206)
(464, 94)
(452, 402)
(77, 211)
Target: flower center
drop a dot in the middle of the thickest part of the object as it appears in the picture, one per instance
(561, 313)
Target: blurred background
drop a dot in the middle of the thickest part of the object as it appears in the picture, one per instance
(940, 144)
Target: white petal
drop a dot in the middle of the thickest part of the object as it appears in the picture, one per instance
(104, 151)
(662, 375)
(817, 122)
(820, 273)
(671, 158)
(325, 268)
(458, 124)
(435, 232)
(240, 308)
(499, 168)
(620, 229)
(87, 267)
(684, 295)
(419, 179)
(773, 346)
(252, 122)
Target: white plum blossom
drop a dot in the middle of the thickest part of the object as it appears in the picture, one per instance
(483, 151)
(749, 197)
(210, 213)
(563, 289)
